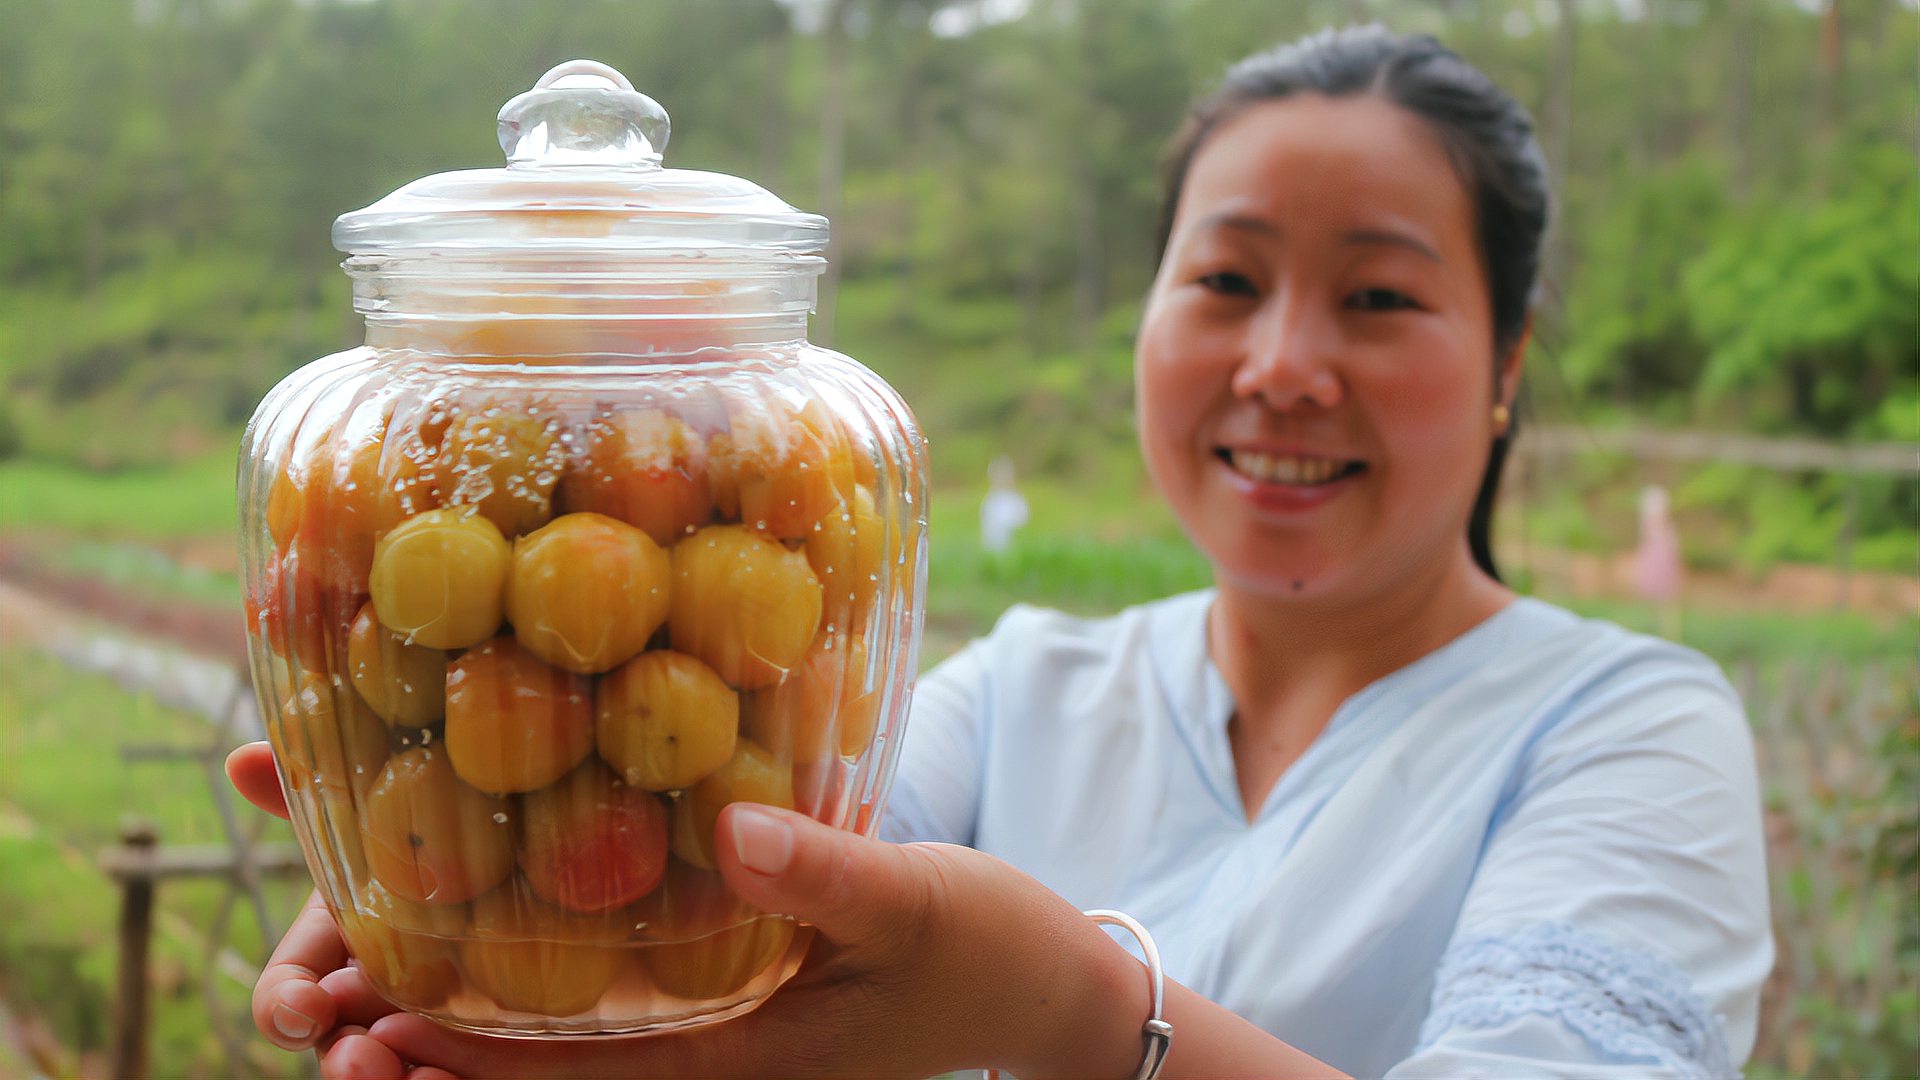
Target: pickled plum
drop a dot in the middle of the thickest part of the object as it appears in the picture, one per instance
(329, 738)
(410, 460)
(514, 722)
(585, 592)
(822, 708)
(690, 903)
(821, 789)
(666, 720)
(779, 469)
(591, 843)
(439, 579)
(403, 947)
(504, 460)
(283, 507)
(743, 603)
(345, 506)
(847, 550)
(430, 837)
(293, 608)
(530, 956)
(405, 684)
(753, 774)
(859, 700)
(646, 467)
(720, 963)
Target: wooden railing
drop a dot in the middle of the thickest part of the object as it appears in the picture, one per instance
(1779, 455)
(139, 865)
(142, 862)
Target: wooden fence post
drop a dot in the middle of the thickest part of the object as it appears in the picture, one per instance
(137, 838)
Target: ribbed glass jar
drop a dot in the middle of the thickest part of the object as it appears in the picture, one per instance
(584, 543)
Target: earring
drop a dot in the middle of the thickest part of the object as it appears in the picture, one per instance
(1501, 415)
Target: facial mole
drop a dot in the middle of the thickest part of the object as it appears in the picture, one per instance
(1298, 585)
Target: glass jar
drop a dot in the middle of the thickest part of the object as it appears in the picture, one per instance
(584, 543)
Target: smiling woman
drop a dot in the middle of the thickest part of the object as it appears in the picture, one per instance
(1381, 815)
(1363, 795)
(1316, 360)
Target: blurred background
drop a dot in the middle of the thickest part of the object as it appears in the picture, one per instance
(1721, 423)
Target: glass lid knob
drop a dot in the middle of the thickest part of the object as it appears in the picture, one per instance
(583, 112)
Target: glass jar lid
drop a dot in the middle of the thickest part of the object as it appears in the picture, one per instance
(583, 175)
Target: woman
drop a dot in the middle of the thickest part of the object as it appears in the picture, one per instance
(1383, 817)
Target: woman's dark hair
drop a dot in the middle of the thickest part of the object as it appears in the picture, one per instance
(1486, 133)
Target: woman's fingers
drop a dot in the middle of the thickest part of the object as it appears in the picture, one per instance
(855, 889)
(251, 770)
(289, 1006)
(354, 999)
(355, 1056)
(458, 1053)
(333, 1038)
(464, 1054)
(418, 1039)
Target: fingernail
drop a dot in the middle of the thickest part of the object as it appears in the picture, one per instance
(292, 1023)
(763, 842)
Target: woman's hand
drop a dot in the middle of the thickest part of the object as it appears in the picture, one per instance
(929, 958)
(309, 996)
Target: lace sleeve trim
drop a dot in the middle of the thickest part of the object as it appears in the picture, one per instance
(1629, 1005)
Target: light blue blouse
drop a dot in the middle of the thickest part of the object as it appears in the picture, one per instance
(1534, 852)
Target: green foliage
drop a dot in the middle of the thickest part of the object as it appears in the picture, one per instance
(164, 267)
(188, 498)
(1812, 307)
(1631, 330)
(1787, 314)
(1875, 1045)
(11, 441)
(1772, 517)
(1729, 516)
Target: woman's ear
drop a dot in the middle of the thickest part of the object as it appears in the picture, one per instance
(1506, 381)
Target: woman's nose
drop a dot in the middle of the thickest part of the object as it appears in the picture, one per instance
(1291, 358)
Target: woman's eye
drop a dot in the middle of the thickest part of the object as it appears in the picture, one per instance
(1381, 300)
(1228, 283)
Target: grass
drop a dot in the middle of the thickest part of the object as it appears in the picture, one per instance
(1771, 639)
(1092, 558)
(1088, 555)
(63, 792)
(190, 498)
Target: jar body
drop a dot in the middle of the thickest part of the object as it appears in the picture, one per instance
(532, 595)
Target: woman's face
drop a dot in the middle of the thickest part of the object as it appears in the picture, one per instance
(1315, 365)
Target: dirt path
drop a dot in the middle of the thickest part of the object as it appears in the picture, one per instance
(26, 620)
(35, 593)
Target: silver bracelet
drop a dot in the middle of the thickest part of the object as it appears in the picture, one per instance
(1157, 1034)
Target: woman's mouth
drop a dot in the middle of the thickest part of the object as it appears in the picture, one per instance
(1292, 470)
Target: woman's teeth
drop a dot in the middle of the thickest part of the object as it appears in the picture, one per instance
(1270, 469)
